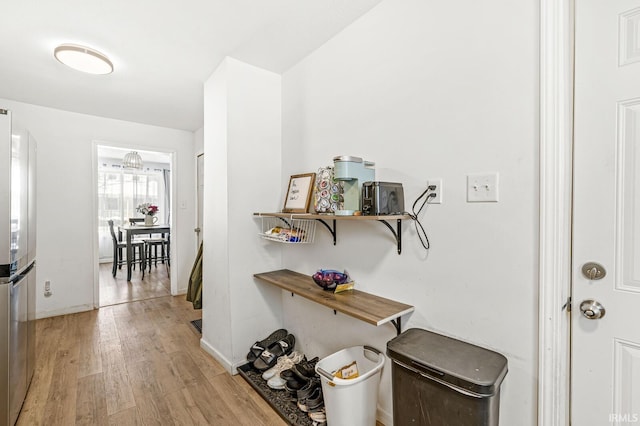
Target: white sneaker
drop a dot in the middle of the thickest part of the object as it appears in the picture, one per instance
(284, 362)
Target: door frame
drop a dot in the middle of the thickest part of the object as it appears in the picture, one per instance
(94, 190)
(556, 178)
(199, 220)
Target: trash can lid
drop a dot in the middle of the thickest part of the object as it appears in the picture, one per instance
(461, 364)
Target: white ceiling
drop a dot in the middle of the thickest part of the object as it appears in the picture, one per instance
(162, 50)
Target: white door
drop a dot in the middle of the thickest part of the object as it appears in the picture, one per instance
(200, 191)
(606, 351)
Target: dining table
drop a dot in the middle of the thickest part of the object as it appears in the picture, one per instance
(130, 230)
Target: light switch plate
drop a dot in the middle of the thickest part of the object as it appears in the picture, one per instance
(482, 188)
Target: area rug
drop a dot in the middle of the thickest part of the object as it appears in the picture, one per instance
(197, 324)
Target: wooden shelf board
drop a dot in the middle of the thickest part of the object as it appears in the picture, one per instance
(364, 306)
(332, 216)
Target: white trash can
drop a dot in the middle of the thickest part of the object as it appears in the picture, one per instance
(351, 402)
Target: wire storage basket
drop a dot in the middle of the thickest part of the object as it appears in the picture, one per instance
(288, 230)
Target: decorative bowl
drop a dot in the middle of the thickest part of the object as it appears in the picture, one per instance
(328, 279)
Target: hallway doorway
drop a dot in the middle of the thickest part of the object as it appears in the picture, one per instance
(121, 193)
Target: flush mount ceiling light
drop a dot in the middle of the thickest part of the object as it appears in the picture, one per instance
(132, 161)
(83, 59)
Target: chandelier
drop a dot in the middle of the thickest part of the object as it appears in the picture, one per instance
(132, 161)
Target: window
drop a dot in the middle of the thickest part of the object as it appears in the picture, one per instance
(120, 191)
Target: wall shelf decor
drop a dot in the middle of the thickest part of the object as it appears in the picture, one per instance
(324, 219)
(358, 304)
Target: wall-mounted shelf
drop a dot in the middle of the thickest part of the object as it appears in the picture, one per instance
(325, 218)
(364, 306)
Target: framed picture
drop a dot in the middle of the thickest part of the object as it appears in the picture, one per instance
(299, 193)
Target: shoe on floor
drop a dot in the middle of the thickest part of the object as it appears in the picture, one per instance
(292, 382)
(270, 356)
(306, 369)
(285, 362)
(275, 385)
(258, 347)
(318, 417)
(315, 401)
(307, 391)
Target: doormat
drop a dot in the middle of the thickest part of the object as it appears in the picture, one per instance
(197, 324)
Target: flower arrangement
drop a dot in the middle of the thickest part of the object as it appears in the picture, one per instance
(147, 209)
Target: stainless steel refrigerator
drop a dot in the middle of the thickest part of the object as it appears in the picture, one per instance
(17, 265)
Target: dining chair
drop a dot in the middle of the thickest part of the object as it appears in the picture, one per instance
(120, 246)
(151, 251)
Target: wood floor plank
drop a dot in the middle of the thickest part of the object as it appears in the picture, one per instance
(115, 290)
(118, 391)
(241, 405)
(184, 410)
(175, 337)
(138, 363)
(156, 377)
(89, 355)
(143, 347)
(61, 401)
(208, 400)
(203, 361)
(265, 411)
(91, 402)
(154, 410)
(116, 379)
(128, 417)
(186, 369)
(107, 329)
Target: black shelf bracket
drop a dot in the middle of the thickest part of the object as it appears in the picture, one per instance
(285, 221)
(397, 323)
(331, 230)
(397, 235)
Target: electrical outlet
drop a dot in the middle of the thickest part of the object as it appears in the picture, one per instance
(435, 194)
(47, 288)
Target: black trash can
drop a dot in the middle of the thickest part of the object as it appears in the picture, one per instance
(440, 381)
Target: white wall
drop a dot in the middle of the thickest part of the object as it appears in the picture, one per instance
(428, 90)
(241, 167)
(198, 145)
(65, 198)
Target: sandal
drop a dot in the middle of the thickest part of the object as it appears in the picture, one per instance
(269, 357)
(259, 347)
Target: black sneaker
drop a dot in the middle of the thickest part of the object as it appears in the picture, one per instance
(315, 401)
(306, 390)
(306, 370)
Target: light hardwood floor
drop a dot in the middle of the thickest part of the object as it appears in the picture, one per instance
(136, 363)
(114, 290)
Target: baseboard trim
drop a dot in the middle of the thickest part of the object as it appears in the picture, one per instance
(64, 311)
(384, 417)
(226, 364)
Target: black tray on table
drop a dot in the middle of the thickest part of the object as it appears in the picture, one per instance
(280, 400)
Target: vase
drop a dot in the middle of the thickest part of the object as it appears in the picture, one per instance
(149, 220)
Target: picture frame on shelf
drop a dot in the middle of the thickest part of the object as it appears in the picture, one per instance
(299, 193)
